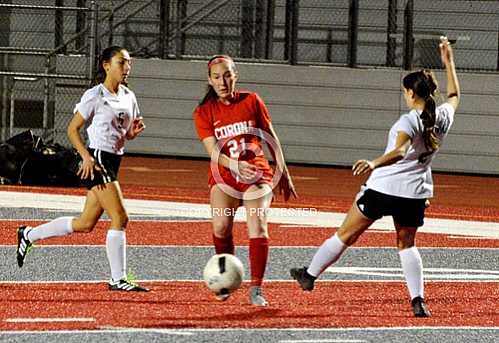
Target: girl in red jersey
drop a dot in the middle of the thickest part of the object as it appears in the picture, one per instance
(232, 124)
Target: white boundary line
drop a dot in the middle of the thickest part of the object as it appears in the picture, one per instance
(322, 340)
(48, 320)
(100, 246)
(41, 282)
(107, 330)
(293, 216)
(145, 220)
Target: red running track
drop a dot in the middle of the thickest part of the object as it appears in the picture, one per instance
(189, 305)
(461, 197)
(199, 233)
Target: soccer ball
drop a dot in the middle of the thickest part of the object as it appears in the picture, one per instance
(223, 274)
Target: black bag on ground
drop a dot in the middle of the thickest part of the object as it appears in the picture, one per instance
(14, 154)
(51, 165)
(8, 168)
(25, 159)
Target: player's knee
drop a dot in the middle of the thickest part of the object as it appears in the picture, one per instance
(221, 229)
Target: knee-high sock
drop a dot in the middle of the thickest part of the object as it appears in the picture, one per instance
(258, 255)
(58, 227)
(328, 253)
(116, 253)
(412, 265)
(224, 245)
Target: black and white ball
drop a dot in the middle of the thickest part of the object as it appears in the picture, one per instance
(223, 274)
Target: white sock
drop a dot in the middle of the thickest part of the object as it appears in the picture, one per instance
(58, 227)
(412, 265)
(116, 253)
(328, 253)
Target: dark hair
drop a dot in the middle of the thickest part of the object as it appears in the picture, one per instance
(424, 85)
(106, 56)
(210, 92)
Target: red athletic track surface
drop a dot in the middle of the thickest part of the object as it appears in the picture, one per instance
(326, 189)
(199, 233)
(190, 305)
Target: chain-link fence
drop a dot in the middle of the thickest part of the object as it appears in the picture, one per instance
(393, 33)
(343, 32)
(34, 69)
(471, 25)
(48, 48)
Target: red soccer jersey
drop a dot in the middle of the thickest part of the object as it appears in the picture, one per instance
(234, 127)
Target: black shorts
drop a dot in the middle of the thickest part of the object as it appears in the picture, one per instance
(405, 211)
(109, 165)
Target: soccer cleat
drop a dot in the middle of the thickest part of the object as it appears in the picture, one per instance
(419, 307)
(126, 286)
(305, 280)
(256, 296)
(23, 244)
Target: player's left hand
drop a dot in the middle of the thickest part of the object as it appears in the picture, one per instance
(446, 52)
(286, 186)
(137, 127)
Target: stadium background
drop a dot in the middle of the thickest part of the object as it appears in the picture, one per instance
(329, 71)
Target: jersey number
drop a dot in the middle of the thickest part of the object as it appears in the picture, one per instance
(234, 147)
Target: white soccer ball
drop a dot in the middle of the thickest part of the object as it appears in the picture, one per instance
(223, 274)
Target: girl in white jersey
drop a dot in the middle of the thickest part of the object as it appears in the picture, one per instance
(112, 114)
(402, 183)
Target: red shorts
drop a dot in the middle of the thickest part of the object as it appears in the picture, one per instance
(227, 178)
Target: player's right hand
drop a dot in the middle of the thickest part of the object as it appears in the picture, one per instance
(247, 170)
(87, 167)
(362, 166)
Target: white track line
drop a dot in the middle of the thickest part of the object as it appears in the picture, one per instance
(322, 341)
(401, 280)
(106, 330)
(294, 216)
(48, 320)
(156, 246)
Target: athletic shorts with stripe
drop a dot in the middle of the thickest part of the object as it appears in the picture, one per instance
(407, 212)
(109, 165)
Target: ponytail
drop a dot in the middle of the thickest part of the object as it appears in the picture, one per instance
(210, 94)
(100, 75)
(424, 85)
(431, 140)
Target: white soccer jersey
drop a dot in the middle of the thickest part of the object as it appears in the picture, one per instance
(109, 116)
(411, 176)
